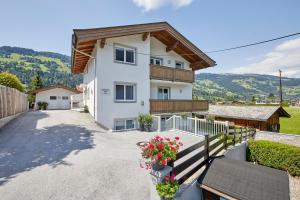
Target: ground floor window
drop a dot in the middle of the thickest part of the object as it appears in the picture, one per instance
(125, 124)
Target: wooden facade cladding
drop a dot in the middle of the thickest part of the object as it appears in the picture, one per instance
(175, 106)
(171, 74)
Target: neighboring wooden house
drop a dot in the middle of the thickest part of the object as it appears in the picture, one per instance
(230, 179)
(57, 97)
(261, 117)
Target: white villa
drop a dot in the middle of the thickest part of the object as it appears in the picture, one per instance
(142, 68)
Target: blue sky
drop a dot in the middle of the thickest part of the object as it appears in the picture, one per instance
(211, 25)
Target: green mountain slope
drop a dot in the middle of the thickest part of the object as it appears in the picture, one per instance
(54, 68)
(243, 86)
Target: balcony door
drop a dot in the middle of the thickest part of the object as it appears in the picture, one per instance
(163, 93)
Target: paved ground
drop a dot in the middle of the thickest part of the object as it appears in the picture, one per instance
(64, 155)
(279, 137)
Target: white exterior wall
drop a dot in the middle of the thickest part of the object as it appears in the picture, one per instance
(110, 72)
(44, 96)
(177, 90)
(88, 80)
(158, 49)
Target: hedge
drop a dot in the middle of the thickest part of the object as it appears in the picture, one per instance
(11, 80)
(275, 155)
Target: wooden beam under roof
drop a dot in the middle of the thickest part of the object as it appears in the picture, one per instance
(145, 36)
(102, 43)
(172, 47)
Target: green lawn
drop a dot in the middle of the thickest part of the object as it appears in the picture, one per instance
(291, 125)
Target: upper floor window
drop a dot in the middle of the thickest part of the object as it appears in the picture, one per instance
(179, 65)
(125, 54)
(156, 61)
(125, 92)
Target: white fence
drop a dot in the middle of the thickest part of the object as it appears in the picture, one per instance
(191, 125)
(12, 102)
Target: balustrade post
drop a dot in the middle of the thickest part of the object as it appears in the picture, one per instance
(196, 125)
(159, 123)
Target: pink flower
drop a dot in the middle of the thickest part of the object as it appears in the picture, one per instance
(176, 138)
(172, 177)
(167, 178)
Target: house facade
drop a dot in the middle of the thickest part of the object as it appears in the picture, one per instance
(143, 68)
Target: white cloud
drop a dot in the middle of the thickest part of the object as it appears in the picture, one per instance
(285, 56)
(148, 5)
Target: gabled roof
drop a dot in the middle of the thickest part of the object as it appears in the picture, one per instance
(53, 87)
(244, 180)
(257, 113)
(85, 40)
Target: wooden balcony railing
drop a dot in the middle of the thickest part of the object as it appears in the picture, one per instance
(175, 106)
(171, 74)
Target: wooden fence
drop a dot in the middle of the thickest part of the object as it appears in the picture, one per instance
(12, 102)
(201, 152)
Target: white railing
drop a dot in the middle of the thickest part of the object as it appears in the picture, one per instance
(191, 125)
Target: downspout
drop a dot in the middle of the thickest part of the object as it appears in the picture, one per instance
(94, 58)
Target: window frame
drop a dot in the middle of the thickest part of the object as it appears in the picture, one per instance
(125, 123)
(124, 100)
(124, 47)
(157, 58)
(163, 88)
(52, 98)
(179, 62)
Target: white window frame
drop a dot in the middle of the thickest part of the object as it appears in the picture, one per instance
(125, 120)
(179, 62)
(125, 48)
(157, 58)
(125, 100)
(169, 92)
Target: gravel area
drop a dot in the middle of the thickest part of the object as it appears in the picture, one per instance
(278, 137)
(294, 188)
(65, 155)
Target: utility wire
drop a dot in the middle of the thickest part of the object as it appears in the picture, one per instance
(252, 44)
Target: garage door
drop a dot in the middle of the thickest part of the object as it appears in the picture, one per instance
(59, 103)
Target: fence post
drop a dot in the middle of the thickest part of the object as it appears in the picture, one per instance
(174, 121)
(196, 125)
(234, 136)
(206, 147)
(159, 123)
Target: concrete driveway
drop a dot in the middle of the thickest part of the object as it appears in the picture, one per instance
(65, 155)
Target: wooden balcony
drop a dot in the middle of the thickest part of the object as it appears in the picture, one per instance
(176, 106)
(171, 74)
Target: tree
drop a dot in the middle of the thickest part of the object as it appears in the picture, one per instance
(36, 83)
(11, 80)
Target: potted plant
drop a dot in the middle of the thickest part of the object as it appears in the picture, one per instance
(148, 121)
(40, 105)
(168, 187)
(45, 104)
(141, 120)
(86, 109)
(158, 151)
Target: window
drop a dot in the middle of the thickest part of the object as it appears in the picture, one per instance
(179, 65)
(65, 97)
(125, 92)
(163, 93)
(52, 97)
(156, 61)
(125, 54)
(124, 124)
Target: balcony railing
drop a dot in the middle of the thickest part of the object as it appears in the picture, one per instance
(171, 74)
(176, 106)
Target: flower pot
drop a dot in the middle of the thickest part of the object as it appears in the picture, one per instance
(157, 166)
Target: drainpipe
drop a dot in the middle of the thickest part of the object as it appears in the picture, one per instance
(94, 58)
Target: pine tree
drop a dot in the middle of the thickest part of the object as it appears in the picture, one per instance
(36, 83)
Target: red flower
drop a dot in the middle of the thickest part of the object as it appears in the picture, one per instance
(159, 155)
(151, 146)
(170, 143)
(176, 138)
(160, 146)
(167, 178)
(163, 162)
(172, 177)
(172, 148)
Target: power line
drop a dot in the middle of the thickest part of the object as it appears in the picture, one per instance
(252, 44)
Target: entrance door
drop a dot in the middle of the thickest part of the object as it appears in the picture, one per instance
(163, 93)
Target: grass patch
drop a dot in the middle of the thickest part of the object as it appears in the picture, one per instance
(291, 125)
(275, 155)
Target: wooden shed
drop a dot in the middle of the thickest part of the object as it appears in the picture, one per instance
(264, 118)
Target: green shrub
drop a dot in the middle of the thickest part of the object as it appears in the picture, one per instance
(11, 80)
(145, 121)
(42, 105)
(275, 155)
